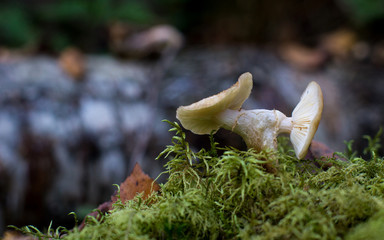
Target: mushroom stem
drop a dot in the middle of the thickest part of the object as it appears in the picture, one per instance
(258, 127)
(228, 118)
(286, 125)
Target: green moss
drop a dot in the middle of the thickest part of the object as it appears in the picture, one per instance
(373, 229)
(230, 196)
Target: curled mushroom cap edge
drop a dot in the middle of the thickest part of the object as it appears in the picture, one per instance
(200, 117)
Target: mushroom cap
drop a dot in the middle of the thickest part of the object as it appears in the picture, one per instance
(200, 117)
(306, 118)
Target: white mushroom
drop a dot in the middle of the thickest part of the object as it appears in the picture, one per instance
(259, 128)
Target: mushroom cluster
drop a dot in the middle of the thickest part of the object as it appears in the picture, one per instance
(259, 128)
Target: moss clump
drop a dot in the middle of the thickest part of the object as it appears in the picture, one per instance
(230, 196)
(372, 229)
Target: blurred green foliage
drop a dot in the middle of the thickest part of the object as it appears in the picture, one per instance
(364, 11)
(15, 27)
(96, 11)
(54, 24)
(58, 24)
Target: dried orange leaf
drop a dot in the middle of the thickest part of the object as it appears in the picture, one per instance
(137, 182)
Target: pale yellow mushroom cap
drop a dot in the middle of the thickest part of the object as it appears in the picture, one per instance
(200, 117)
(306, 118)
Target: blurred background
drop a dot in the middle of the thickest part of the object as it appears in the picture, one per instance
(85, 84)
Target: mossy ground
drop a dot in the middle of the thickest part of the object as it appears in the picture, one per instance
(229, 195)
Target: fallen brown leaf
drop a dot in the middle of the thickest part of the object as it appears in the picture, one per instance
(339, 43)
(72, 62)
(302, 57)
(137, 182)
(318, 150)
(139, 44)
